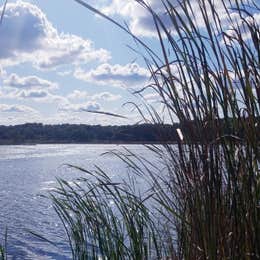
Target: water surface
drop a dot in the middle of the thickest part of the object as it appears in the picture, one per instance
(26, 172)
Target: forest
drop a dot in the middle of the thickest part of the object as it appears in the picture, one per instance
(35, 133)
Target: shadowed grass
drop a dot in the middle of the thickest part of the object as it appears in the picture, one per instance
(3, 247)
(205, 204)
(104, 218)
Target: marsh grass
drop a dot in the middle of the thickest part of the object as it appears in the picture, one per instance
(3, 247)
(105, 219)
(206, 202)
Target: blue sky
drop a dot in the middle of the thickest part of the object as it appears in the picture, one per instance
(57, 60)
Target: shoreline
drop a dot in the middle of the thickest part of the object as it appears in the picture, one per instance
(85, 143)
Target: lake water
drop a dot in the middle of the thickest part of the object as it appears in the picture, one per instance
(26, 173)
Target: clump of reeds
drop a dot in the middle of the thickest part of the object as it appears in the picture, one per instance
(2, 252)
(105, 219)
(206, 203)
(3, 247)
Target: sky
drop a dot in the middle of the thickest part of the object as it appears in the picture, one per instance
(59, 60)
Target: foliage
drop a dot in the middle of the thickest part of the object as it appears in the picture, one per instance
(3, 248)
(69, 133)
(105, 218)
(205, 204)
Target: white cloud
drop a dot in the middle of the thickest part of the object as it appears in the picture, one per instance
(38, 94)
(29, 82)
(141, 21)
(4, 108)
(106, 96)
(153, 98)
(130, 75)
(88, 106)
(242, 23)
(30, 87)
(86, 118)
(78, 95)
(2, 72)
(28, 36)
(64, 73)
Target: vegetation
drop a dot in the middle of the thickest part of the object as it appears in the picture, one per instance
(2, 253)
(3, 246)
(66, 133)
(204, 204)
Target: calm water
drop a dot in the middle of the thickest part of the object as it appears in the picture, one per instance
(26, 172)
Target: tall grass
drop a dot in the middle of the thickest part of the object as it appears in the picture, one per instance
(206, 202)
(3, 247)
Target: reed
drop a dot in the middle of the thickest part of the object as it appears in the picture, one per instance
(206, 202)
(3, 247)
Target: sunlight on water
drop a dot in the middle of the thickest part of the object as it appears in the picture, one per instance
(26, 173)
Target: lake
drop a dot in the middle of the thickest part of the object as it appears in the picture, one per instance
(26, 173)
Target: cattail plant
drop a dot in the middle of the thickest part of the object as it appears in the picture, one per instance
(205, 204)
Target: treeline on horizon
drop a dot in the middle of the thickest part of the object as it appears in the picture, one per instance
(37, 133)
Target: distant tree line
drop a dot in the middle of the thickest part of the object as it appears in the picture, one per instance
(73, 133)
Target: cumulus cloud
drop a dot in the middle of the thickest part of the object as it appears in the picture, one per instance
(78, 95)
(106, 96)
(4, 108)
(28, 36)
(88, 106)
(29, 82)
(39, 95)
(34, 94)
(130, 75)
(30, 87)
(141, 21)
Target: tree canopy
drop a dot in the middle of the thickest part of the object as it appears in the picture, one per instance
(71, 133)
